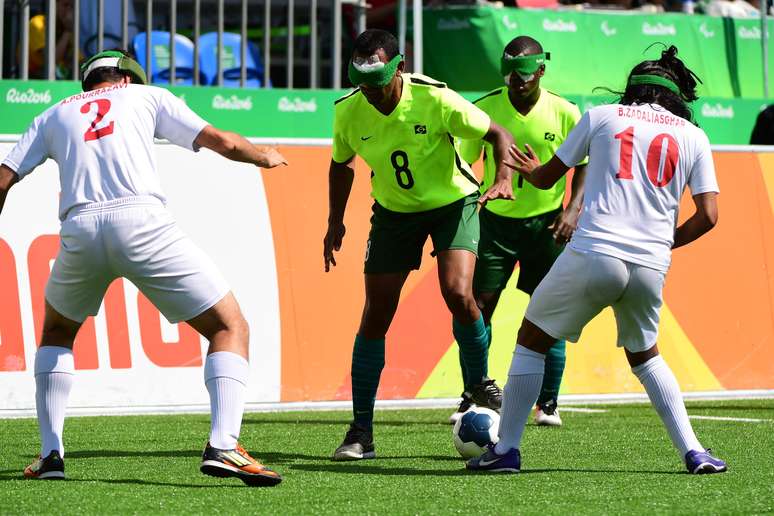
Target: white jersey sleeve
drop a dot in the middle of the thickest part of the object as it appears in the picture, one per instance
(176, 122)
(575, 148)
(702, 177)
(31, 150)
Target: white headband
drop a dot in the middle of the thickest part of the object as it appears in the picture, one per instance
(101, 62)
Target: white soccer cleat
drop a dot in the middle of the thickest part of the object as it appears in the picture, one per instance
(547, 416)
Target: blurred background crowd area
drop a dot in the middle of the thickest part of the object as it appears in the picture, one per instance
(378, 14)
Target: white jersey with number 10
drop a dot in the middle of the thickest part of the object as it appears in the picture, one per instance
(102, 141)
(641, 158)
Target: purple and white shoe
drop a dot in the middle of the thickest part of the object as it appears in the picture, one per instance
(701, 462)
(490, 461)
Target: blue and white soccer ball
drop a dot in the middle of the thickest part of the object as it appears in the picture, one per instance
(474, 430)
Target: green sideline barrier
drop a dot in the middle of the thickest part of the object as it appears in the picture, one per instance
(462, 46)
(274, 113)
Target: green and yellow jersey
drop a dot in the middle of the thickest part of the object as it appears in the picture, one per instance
(412, 152)
(544, 128)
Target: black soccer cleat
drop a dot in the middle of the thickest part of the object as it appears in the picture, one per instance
(487, 394)
(358, 444)
(237, 463)
(49, 468)
(465, 404)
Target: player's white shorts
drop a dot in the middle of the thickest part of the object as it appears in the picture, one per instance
(133, 237)
(580, 285)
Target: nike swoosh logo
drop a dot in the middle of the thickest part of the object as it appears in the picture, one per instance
(364, 138)
(483, 462)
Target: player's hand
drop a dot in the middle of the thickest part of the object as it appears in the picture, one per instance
(523, 162)
(500, 189)
(564, 225)
(332, 242)
(271, 157)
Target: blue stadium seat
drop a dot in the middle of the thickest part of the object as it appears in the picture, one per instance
(160, 57)
(208, 45)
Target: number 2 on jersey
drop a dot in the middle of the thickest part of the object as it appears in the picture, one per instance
(656, 153)
(92, 133)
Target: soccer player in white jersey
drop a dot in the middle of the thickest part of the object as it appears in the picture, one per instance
(643, 152)
(114, 223)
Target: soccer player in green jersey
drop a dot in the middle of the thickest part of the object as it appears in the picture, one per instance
(403, 125)
(532, 228)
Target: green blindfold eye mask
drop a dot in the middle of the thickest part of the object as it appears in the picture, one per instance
(372, 74)
(114, 59)
(523, 65)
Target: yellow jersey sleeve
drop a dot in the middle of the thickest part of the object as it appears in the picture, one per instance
(461, 117)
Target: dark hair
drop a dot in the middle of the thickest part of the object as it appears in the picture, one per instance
(524, 45)
(670, 67)
(371, 40)
(105, 73)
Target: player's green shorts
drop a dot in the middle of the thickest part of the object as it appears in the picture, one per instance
(396, 239)
(506, 241)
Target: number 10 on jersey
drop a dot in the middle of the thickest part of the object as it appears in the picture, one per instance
(663, 148)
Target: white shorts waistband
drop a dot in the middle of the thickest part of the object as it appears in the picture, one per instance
(114, 204)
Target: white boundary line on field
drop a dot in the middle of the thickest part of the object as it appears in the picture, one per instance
(570, 399)
(735, 419)
(584, 410)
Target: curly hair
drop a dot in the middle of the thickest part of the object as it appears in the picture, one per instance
(670, 67)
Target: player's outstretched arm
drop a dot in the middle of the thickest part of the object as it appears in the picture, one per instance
(567, 220)
(502, 187)
(340, 177)
(7, 179)
(237, 148)
(528, 165)
(702, 221)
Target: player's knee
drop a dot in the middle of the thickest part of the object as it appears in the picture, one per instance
(58, 330)
(56, 334)
(239, 328)
(459, 297)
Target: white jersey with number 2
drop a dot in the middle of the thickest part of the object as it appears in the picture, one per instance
(641, 158)
(102, 141)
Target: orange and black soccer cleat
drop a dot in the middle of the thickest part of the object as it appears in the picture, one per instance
(48, 468)
(237, 463)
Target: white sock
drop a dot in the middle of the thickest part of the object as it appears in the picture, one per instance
(664, 393)
(225, 375)
(521, 392)
(54, 371)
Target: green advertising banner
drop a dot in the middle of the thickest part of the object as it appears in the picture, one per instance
(462, 46)
(253, 112)
(274, 113)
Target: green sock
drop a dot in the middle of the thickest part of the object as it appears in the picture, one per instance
(462, 358)
(367, 365)
(474, 350)
(552, 379)
(463, 368)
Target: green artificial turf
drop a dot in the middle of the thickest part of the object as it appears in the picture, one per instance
(611, 463)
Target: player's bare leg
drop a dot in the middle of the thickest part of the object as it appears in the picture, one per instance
(665, 396)
(225, 376)
(54, 372)
(455, 274)
(382, 294)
